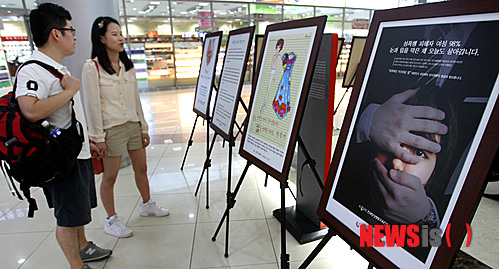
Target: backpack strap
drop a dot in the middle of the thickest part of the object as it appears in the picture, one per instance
(12, 187)
(31, 201)
(52, 70)
(13, 106)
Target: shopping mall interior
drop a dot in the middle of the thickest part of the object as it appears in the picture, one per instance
(165, 41)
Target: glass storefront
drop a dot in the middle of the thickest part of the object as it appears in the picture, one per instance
(165, 37)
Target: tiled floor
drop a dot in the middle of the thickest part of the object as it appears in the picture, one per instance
(183, 239)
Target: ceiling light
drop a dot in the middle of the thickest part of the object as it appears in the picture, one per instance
(155, 2)
(204, 4)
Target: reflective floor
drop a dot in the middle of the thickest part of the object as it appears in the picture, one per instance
(184, 239)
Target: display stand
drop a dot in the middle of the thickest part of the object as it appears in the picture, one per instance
(280, 214)
(299, 225)
(387, 70)
(269, 136)
(207, 162)
(204, 87)
(330, 233)
(358, 43)
(314, 139)
(189, 143)
(231, 201)
(228, 97)
(319, 247)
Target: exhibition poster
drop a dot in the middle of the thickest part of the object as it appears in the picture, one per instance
(283, 69)
(356, 50)
(231, 78)
(435, 78)
(211, 47)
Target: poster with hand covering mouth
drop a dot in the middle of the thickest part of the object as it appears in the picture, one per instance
(417, 122)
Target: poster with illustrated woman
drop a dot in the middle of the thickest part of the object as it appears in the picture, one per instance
(287, 60)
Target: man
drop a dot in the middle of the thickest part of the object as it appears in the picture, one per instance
(42, 95)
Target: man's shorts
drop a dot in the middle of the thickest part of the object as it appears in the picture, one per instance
(74, 199)
(122, 138)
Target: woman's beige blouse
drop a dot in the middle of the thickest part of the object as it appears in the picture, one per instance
(111, 100)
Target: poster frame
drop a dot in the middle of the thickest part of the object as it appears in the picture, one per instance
(472, 189)
(319, 23)
(206, 114)
(246, 30)
(354, 59)
(341, 42)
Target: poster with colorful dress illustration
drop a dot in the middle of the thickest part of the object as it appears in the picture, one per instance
(285, 66)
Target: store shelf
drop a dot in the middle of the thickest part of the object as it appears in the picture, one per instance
(159, 61)
(16, 48)
(343, 61)
(5, 80)
(188, 61)
(139, 61)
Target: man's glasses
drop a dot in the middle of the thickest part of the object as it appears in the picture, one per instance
(73, 30)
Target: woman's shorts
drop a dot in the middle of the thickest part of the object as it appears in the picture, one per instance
(124, 137)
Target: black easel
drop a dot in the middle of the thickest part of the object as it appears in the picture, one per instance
(231, 201)
(319, 247)
(189, 143)
(209, 149)
(207, 163)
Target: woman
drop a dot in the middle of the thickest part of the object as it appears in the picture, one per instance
(275, 61)
(282, 99)
(116, 121)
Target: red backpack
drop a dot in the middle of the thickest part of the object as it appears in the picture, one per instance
(29, 154)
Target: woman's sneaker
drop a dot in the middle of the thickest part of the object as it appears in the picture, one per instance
(150, 209)
(115, 227)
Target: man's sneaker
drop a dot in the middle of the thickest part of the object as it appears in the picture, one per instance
(150, 209)
(91, 252)
(86, 266)
(115, 227)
